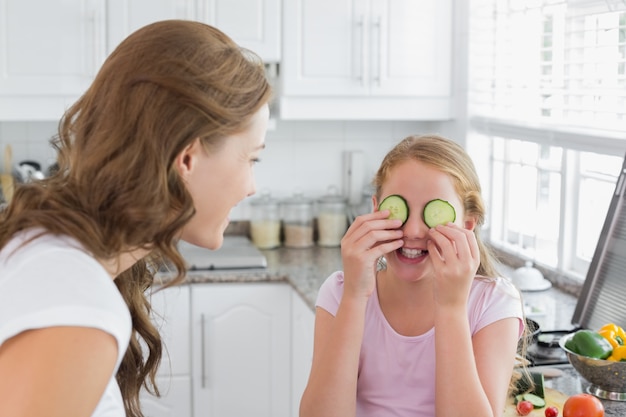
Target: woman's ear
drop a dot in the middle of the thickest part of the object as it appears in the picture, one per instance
(185, 160)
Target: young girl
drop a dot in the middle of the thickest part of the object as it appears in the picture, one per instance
(159, 148)
(435, 332)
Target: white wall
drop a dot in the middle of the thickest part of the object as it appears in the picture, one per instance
(304, 156)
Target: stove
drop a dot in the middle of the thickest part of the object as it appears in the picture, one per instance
(546, 350)
(237, 252)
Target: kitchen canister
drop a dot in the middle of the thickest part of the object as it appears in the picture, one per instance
(332, 218)
(265, 222)
(297, 213)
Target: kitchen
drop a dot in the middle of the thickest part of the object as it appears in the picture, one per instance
(307, 131)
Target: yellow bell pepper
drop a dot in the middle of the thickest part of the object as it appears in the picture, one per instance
(618, 355)
(614, 334)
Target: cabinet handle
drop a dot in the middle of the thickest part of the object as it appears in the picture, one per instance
(361, 29)
(377, 29)
(202, 353)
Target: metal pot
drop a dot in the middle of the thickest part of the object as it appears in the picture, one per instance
(27, 171)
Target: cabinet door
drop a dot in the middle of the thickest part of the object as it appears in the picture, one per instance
(253, 24)
(326, 47)
(241, 349)
(126, 16)
(175, 400)
(171, 315)
(411, 47)
(302, 327)
(172, 309)
(49, 54)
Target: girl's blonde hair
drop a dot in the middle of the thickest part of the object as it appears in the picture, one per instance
(116, 189)
(449, 157)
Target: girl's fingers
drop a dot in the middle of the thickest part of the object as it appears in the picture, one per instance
(371, 228)
(454, 241)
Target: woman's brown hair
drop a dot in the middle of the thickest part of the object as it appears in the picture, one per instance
(116, 188)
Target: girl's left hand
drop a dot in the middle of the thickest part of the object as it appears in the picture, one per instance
(455, 257)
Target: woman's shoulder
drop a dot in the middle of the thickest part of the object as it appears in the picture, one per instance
(36, 240)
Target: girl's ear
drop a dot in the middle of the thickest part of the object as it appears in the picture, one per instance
(469, 222)
(374, 203)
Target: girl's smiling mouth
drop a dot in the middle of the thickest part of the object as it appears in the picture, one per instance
(412, 253)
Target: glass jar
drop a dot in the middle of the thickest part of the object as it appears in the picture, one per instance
(265, 222)
(332, 218)
(298, 221)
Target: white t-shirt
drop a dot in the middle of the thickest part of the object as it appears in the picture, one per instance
(53, 281)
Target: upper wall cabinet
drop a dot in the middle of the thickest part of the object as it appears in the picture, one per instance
(48, 55)
(126, 16)
(367, 59)
(253, 24)
(50, 50)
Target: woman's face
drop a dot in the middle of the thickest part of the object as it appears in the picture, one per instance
(220, 180)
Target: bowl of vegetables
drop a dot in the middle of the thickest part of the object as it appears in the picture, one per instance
(600, 358)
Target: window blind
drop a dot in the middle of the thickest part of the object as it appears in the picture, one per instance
(549, 65)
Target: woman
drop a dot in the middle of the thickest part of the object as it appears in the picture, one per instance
(159, 148)
(432, 333)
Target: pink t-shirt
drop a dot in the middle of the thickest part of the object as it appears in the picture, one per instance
(397, 373)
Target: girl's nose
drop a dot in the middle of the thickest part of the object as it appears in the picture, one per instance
(414, 227)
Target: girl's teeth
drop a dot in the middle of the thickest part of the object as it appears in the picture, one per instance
(412, 253)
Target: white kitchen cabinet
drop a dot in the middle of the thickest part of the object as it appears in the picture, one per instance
(50, 50)
(241, 349)
(126, 16)
(172, 318)
(367, 59)
(254, 24)
(175, 400)
(49, 53)
(302, 326)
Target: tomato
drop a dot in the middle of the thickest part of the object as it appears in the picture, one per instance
(583, 405)
(552, 411)
(524, 408)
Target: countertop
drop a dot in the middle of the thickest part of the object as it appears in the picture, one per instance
(306, 269)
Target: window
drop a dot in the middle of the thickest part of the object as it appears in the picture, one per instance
(547, 109)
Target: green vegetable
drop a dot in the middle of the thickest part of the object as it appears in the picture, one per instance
(438, 212)
(532, 383)
(397, 206)
(535, 400)
(589, 343)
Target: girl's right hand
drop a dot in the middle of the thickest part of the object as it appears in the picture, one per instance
(368, 238)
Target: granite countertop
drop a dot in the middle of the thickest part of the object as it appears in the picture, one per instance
(306, 269)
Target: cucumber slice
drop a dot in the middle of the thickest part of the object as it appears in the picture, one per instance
(438, 212)
(397, 206)
(535, 400)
